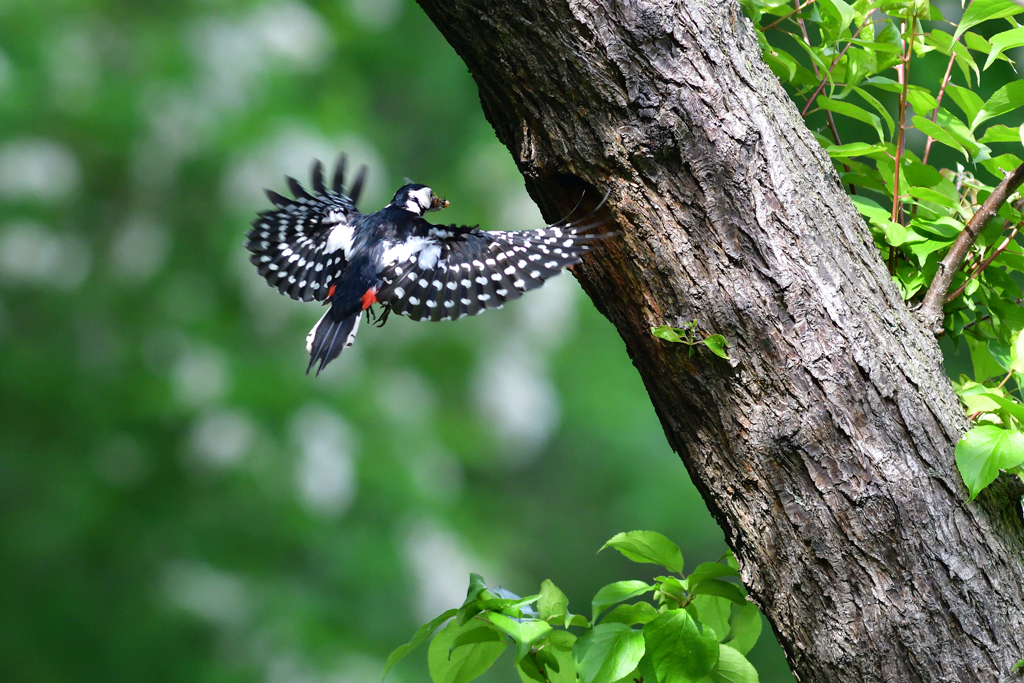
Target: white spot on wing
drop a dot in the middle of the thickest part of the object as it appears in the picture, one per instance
(340, 238)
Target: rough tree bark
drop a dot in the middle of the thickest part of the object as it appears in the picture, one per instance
(825, 447)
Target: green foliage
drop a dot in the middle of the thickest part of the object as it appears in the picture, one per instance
(851, 62)
(694, 629)
(688, 336)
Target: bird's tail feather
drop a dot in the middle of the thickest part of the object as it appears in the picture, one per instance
(328, 337)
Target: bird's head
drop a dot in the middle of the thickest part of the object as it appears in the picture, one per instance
(418, 199)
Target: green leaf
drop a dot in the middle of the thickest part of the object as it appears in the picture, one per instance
(937, 133)
(931, 195)
(608, 652)
(1001, 165)
(562, 640)
(465, 663)
(1003, 101)
(732, 667)
(985, 366)
(853, 149)
(1017, 353)
(639, 613)
(525, 632)
(1001, 133)
(745, 628)
(1018, 665)
(921, 100)
(1001, 42)
(558, 666)
(978, 399)
(476, 588)
(837, 16)
(889, 35)
(717, 344)
(647, 546)
(729, 591)
(968, 100)
(711, 611)
(422, 633)
(1012, 407)
(852, 111)
(983, 10)
(879, 107)
(477, 635)
(552, 602)
(959, 130)
(984, 451)
(510, 606)
(710, 570)
(528, 671)
(617, 592)
(681, 652)
(895, 234)
(667, 333)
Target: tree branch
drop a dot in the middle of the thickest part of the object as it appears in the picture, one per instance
(931, 308)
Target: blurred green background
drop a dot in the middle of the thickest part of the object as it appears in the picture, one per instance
(178, 501)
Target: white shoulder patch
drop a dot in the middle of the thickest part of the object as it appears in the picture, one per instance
(426, 250)
(340, 238)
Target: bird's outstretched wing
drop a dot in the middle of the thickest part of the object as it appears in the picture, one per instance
(301, 247)
(446, 272)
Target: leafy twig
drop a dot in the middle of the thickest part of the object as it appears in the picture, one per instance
(938, 101)
(985, 317)
(931, 308)
(828, 115)
(831, 66)
(779, 21)
(985, 264)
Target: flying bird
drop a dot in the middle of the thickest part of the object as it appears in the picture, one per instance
(319, 247)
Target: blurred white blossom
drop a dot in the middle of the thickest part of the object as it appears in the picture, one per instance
(218, 596)
(222, 438)
(375, 14)
(199, 375)
(139, 250)
(31, 253)
(36, 168)
(291, 152)
(440, 566)
(325, 471)
(517, 398)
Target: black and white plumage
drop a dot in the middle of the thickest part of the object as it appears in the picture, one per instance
(320, 247)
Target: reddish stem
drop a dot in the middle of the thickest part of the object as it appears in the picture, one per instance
(901, 137)
(942, 91)
(779, 21)
(833, 64)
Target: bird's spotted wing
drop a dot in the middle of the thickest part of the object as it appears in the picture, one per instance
(450, 272)
(300, 247)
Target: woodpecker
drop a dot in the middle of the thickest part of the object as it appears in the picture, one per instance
(319, 247)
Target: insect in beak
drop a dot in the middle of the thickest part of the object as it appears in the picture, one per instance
(436, 203)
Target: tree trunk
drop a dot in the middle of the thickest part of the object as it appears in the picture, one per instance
(824, 447)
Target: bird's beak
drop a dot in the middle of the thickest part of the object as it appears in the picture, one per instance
(436, 203)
